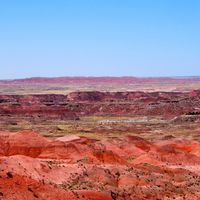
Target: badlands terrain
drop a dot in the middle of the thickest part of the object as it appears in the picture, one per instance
(103, 138)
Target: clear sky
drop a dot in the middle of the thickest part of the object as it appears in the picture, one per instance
(99, 38)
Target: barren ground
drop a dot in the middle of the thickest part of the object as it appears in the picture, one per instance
(109, 143)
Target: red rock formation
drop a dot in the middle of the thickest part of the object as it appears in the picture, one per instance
(194, 93)
(76, 104)
(32, 166)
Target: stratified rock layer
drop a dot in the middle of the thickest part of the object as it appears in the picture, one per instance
(34, 167)
(76, 104)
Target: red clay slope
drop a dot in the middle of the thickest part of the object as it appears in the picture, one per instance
(33, 167)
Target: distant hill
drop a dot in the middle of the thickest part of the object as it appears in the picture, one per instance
(97, 80)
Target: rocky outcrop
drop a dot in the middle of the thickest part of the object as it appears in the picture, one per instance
(194, 93)
(37, 106)
(76, 104)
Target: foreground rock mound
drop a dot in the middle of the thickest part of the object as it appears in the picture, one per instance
(71, 167)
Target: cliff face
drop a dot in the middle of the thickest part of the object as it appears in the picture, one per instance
(75, 104)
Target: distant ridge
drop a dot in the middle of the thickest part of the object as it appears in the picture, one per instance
(98, 80)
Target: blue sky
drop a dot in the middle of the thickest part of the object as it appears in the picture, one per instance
(99, 38)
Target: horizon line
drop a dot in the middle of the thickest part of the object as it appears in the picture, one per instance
(92, 76)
